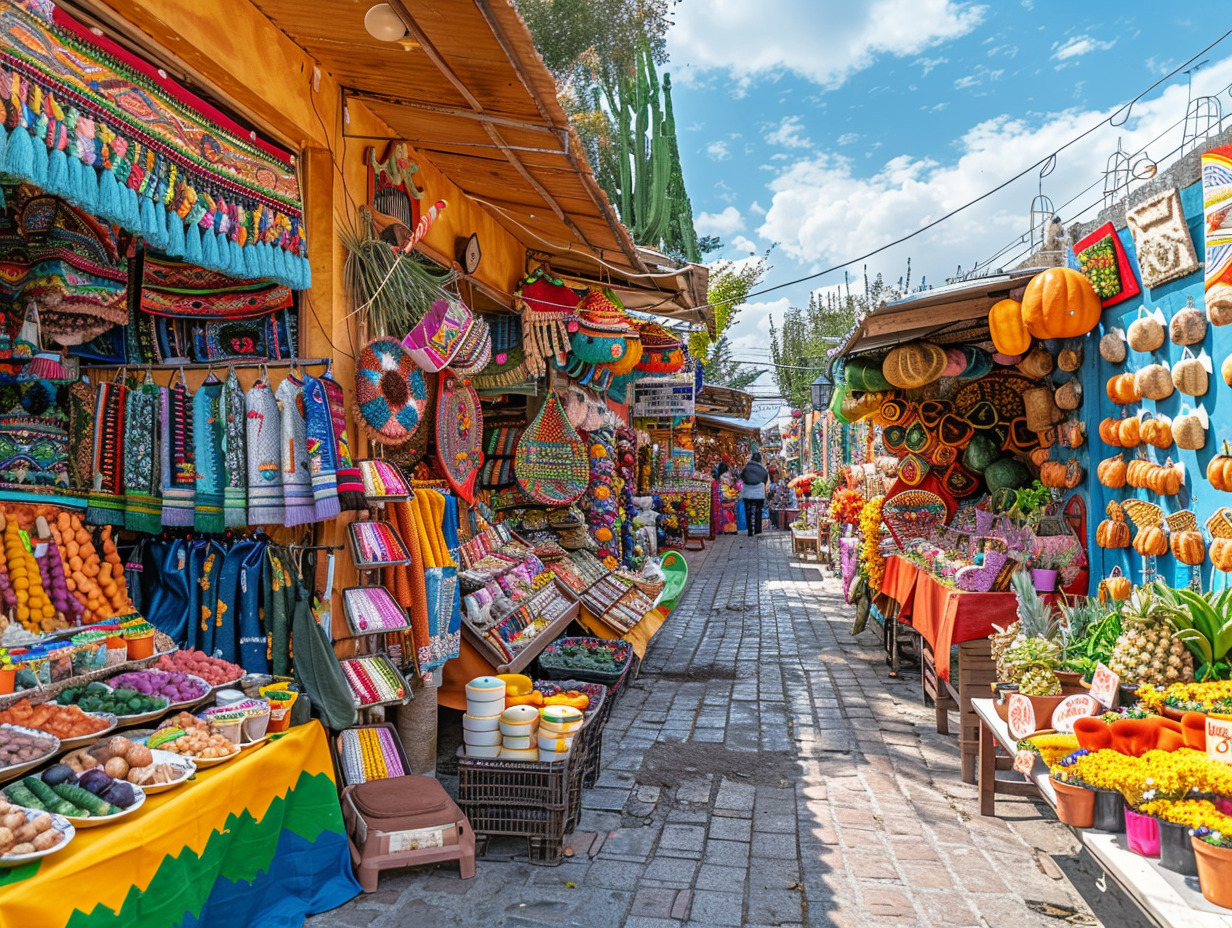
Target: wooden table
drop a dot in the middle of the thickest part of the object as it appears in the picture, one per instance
(1166, 898)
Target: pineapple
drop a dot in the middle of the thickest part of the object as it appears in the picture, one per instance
(1030, 656)
(1147, 651)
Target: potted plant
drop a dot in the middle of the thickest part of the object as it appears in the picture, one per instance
(1213, 851)
(1032, 655)
(1075, 800)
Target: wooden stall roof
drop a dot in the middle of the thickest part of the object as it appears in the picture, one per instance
(724, 401)
(467, 89)
(729, 424)
(958, 310)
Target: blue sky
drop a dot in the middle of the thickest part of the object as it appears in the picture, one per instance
(830, 128)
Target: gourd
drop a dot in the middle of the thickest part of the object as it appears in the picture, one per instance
(1111, 472)
(1060, 303)
(1156, 432)
(1188, 325)
(1189, 376)
(1110, 432)
(1006, 472)
(1069, 359)
(1221, 553)
(1112, 348)
(1188, 431)
(1129, 432)
(1007, 328)
(1122, 389)
(1153, 382)
(1219, 304)
(1219, 470)
(1112, 534)
(1188, 547)
(1037, 365)
(1151, 541)
(1069, 394)
(1145, 333)
(1117, 589)
(1052, 474)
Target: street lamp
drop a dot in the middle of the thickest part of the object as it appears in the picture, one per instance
(822, 390)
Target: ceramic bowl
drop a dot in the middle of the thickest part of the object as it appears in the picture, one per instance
(517, 742)
(485, 707)
(487, 752)
(516, 684)
(560, 714)
(547, 757)
(480, 722)
(512, 754)
(482, 738)
(518, 729)
(559, 729)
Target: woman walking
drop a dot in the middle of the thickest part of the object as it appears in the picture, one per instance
(754, 477)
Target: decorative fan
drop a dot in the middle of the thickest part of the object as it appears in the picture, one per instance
(459, 433)
(1142, 513)
(1220, 523)
(913, 514)
(911, 469)
(551, 464)
(1183, 521)
(389, 392)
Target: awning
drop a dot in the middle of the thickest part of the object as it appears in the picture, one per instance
(738, 426)
(467, 89)
(724, 401)
(949, 314)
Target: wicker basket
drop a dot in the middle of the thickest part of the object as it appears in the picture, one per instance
(554, 664)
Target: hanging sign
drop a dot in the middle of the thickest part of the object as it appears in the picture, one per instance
(1072, 708)
(1021, 716)
(1219, 739)
(664, 397)
(1024, 762)
(1104, 686)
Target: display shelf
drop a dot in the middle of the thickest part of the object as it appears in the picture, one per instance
(1168, 899)
(350, 667)
(376, 538)
(505, 664)
(384, 481)
(365, 606)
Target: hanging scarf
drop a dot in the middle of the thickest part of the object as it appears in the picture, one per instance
(235, 454)
(350, 483)
(253, 654)
(142, 475)
(106, 500)
(296, 479)
(279, 603)
(82, 401)
(264, 433)
(209, 459)
(322, 449)
(179, 472)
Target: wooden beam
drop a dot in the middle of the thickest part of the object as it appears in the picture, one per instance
(480, 116)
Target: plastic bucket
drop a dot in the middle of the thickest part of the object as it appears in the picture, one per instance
(1141, 833)
(1109, 811)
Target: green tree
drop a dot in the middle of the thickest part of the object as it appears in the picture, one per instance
(730, 285)
(726, 371)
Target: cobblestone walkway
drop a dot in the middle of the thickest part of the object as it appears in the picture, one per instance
(763, 770)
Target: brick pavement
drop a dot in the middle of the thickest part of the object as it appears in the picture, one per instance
(762, 770)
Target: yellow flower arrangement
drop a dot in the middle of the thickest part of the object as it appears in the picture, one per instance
(871, 559)
(1052, 748)
(1153, 698)
(1155, 775)
(1192, 813)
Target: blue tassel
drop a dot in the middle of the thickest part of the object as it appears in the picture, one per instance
(209, 251)
(38, 163)
(149, 225)
(261, 250)
(160, 219)
(4, 145)
(305, 274)
(175, 235)
(20, 154)
(108, 196)
(130, 209)
(57, 174)
(282, 270)
(89, 187)
(192, 245)
(252, 263)
(235, 255)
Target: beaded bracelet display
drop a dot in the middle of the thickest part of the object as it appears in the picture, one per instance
(376, 543)
(383, 480)
(373, 680)
(373, 609)
(369, 754)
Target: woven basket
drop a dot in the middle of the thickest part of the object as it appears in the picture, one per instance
(551, 464)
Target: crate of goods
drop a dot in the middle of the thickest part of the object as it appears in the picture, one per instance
(593, 660)
(588, 744)
(517, 797)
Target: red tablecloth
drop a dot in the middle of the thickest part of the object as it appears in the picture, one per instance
(899, 584)
(945, 616)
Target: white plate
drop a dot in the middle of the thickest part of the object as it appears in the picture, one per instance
(93, 821)
(68, 744)
(252, 744)
(15, 770)
(179, 761)
(203, 762)
(58, 822)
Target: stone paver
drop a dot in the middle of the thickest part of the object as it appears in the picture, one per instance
(764, 770)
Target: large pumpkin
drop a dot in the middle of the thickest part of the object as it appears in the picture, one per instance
(1111, 472)
(1112, 534)
(1219, 471)
(1188, 547)
(1151, 541)
(1009, 332)
(1221, 553)
(1060, 303)
(1156, 432)
(1117, 589)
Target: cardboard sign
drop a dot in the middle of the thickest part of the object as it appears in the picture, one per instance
(1022, 716)
(1024, 762)
(1072, 708)
(1104, 686)
(1219, 740)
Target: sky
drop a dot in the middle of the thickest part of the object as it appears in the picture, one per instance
(826, 129)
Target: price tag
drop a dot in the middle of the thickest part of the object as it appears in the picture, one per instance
(1072, 708)
(1104, 685)
(1022, 716)
(1219, 740)
(1024, 762)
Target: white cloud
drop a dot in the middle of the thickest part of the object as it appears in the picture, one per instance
(718, 151)
(742, 244)
(848, 138)
(789, 133)
(928, 64)
(751, 333)
(978, 78)
(828, 208)
(757, 209)
(1079, 45)
(824, 41)
(727, 222)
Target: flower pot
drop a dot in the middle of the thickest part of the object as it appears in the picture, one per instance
(1043, 707)
(8, 679)
(1214, 872)
(1075, 804)
(1001, 699)
(1109, 811)
(1176, 851)
(1045, 581)
(139, 648)
(1071, 682)
(1141, 833)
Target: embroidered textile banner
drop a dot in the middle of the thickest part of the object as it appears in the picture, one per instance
(86, 121)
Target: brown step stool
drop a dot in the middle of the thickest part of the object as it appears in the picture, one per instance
(404, 822)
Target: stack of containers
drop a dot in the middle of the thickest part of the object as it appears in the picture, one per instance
(518, 726)
(481, 729)
(557, 726)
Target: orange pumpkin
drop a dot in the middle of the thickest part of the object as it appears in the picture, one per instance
(1052, 474)
(1129, 432)
(1122, 389)
(1221, 553)
(1060, 303)
(1156, 432)
(1112, 534)
(1219, 471)
(1111, 472)
(1135, 473)
(1188, 547)
(1009, 332)
(1151, 541)
(1116, 589)
(1110, 431)
(1164, 480)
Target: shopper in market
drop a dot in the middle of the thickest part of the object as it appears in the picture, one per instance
(754, 477)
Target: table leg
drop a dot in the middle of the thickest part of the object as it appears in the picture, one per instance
(988, 771)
